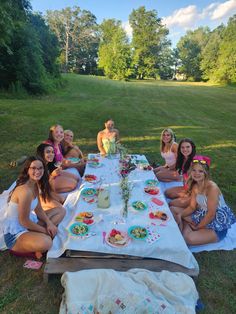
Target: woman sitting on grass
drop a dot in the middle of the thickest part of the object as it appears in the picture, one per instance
(26, 226)
(207, 218)
(55, 138)
(60, 180)
(179, 194)
(108, 138)
(169, 152)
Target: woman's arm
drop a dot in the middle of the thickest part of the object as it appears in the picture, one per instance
(50, 227)
(192, 206)
(174, 149)
(99, 143)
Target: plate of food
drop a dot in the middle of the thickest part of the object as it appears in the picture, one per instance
(138, 232)
(151, 182)
(90, 200)
(139, 205)
(116, 238)
(85, 217)
(151, 190)
(89, 192)
(158, 214)
(78, 229)
(91, 178)
(141, 161)
(73, 160)
(95, 164)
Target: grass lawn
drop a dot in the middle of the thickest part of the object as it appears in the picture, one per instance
(141, 110)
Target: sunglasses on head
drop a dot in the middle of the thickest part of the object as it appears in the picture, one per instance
(203, 162)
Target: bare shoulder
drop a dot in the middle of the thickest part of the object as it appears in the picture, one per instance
(100, 134)
(20, 192)
(174, 147)
(212, 188)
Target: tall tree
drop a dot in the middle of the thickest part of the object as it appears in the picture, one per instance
(48, 42)
(22, 59)
(210, 54)
(190, 52)
(76, 31)
(148, 42)
(114, 50)
(226, 64)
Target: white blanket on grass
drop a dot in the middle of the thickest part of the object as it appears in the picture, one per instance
(136, 291)
(228, 243)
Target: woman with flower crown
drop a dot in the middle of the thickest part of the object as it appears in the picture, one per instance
(207, 218)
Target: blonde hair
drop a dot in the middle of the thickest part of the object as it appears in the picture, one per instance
(191, 182)
(51, 130)
(162, 144)
(68, 131)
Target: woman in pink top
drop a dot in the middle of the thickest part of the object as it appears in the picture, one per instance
(168, 148)
(55, 137)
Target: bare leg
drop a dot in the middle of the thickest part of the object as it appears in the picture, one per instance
(175, 192)
(176, 211)
(56, 214)
(63, 183)
(182, 202)
(167, 175)
(33, 242)
(50, 204)
(198, 237)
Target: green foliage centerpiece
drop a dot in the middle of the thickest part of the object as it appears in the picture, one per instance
(126, 166)
(125, 192)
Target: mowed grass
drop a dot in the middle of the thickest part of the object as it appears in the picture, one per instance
(205, 113)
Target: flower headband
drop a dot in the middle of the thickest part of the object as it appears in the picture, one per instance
(204, 160)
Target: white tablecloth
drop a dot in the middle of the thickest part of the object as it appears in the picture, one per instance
(170, 246)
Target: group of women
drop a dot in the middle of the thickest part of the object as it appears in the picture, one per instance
(35, 208)
(197, 204)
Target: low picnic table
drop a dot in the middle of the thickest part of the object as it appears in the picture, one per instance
(163, 249)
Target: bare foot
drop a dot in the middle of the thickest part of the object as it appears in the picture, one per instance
(38, 255)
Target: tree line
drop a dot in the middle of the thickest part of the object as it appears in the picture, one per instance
(35, 49)
(28, 49)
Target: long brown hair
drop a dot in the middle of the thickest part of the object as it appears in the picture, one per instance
(180, 158)
(43, 182)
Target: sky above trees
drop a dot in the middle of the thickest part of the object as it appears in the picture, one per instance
(179, 16)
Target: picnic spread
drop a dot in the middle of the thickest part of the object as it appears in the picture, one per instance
(146, 228)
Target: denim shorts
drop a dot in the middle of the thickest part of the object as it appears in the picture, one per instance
(10, 239)
(221, 234)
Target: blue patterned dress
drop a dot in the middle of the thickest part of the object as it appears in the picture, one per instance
(224, 216)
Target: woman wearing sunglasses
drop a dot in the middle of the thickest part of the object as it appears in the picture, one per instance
(26, 226)
(207, 218)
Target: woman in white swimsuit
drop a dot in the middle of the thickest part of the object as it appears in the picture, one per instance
(26, 226)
